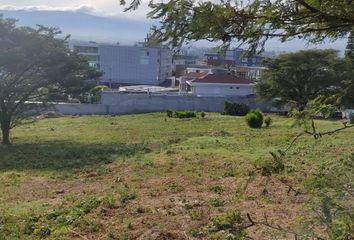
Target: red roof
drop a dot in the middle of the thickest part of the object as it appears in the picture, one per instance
(222, 78)
(194, 75)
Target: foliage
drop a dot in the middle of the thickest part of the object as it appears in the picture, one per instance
(97, 91)
(125, 196)
(216, 202)
(250, 22)
(349, 50)
(254, 118)
(216, 189)
(185, 114)
(202, 114)
(268, 121)
(271, 166)
(297, 78)
(235, 109)
(169, 113)
(230, 223)
(35, 66)
(335, 205)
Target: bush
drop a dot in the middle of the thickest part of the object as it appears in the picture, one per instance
(202, 114)
(254, 118)
(235, 109)
(185, 114)
(268, 121)
(169, 113)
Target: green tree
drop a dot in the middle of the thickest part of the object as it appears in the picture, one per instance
(349, 50)
(251, 22)
(297, 78)
(35, 66)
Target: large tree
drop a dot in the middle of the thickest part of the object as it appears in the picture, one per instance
(35, 67)
(252, 22)
(297, 78)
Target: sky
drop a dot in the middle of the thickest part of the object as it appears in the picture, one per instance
(105, 21)
(101, 8)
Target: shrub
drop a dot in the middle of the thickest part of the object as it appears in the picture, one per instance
(202, 114)
(169, 113)
(254, 118)
(235, 109)
(268, 121)
(185, 114)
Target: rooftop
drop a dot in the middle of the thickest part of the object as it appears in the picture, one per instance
(222, 78)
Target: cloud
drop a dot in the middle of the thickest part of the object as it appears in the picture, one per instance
(108, 8)
(81, 8)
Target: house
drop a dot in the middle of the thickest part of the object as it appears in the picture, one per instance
(217, 82)
(128, 65)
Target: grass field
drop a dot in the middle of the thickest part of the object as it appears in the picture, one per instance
(125, 177)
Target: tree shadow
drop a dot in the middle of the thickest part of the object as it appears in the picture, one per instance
(62, 155)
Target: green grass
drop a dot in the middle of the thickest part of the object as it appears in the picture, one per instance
(70, 177)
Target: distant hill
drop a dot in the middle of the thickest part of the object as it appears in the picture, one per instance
(85, 27)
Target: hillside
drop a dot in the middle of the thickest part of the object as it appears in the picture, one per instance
(150, 177)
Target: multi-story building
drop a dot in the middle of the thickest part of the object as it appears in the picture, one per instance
(128, 65)
(233, 57)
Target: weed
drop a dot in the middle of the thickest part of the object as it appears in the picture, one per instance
(268, 121)
(125, 196)
(197, 233)
(216, 202)
(230, 223)
(108, 201)
(216, 189)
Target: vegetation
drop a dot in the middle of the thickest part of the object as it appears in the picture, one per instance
(235, 109)
(254, 118)
(96, 92)
(35, 66)
(105, 177)
(181, 114)
(250, 22)
(297, 78)
(268, 121)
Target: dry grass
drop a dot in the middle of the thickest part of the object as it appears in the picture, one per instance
(140, 176)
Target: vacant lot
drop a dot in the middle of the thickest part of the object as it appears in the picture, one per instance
(146, 176)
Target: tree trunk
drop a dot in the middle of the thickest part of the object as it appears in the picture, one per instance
(5, 134)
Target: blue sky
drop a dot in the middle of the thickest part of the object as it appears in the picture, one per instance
(105, 21)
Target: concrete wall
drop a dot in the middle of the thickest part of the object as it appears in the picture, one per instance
(141, 103)
(81, 109)
(222, 90)
(114, 103)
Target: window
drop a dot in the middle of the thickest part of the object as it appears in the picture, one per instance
(231, 87)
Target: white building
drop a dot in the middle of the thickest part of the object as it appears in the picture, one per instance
(128, 65)
(218, 83)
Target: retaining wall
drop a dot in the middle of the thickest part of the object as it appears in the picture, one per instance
(116, 103)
